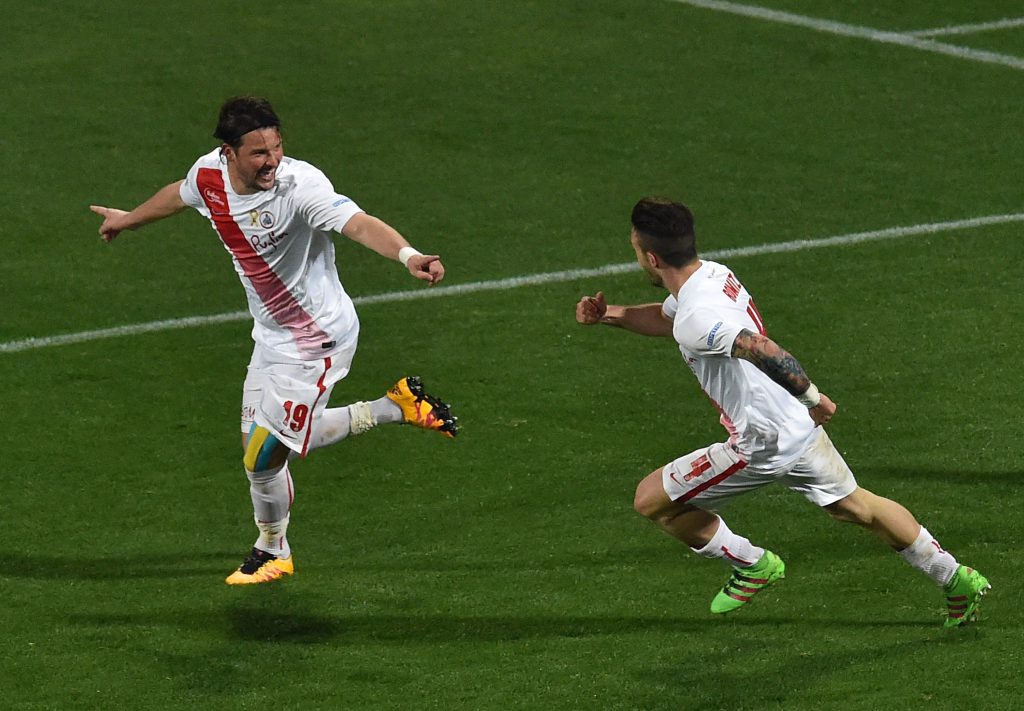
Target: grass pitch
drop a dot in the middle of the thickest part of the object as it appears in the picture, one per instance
(506, 568)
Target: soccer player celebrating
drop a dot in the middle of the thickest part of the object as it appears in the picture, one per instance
(275, 216)
(773, 414)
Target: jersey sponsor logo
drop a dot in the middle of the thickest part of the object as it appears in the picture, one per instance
(266, 220)
(212, 197)
(268, 241)
(713, 333)
(340, 201)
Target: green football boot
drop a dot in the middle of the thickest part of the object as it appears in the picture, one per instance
(745, 583)
(963, 595)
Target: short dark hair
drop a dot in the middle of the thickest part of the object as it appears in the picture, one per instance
(241, 114)
(665, 228)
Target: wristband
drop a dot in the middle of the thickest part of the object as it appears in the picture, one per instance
(405, 253)
(811, 397)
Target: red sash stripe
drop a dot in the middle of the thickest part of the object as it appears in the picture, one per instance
(283, 306)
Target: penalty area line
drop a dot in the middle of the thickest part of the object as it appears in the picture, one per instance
(1004, 24)
(29, 344)
(903, 39)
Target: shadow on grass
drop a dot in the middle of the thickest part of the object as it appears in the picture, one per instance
(803, 671)
(268, 623)
(126, 567)
(699, 656)
(178, 565)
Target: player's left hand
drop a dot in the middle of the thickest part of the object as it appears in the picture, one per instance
(823, 411)
(427, 267)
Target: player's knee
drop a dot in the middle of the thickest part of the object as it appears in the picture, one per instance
(263, 451)
(650, 501)
(641, 504)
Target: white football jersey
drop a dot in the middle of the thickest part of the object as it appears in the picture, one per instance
(280, 242)
(769, 427)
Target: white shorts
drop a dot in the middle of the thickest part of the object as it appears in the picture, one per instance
(286, 396)
(709, 477)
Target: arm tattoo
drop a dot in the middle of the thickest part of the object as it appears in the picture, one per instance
(772, 360)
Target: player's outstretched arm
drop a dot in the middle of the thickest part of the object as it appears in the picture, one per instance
(775, 362)
(385, 240)
(645, 319)
(166, 202)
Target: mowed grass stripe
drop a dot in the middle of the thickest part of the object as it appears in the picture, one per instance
(28, 344)
(902, 39)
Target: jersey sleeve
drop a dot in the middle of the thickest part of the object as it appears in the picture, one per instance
(321, 207)
(188, 190)
(669, 307)
(706, 333)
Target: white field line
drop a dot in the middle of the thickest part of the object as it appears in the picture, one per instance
(799, 245)
(902, 39)
(970, 29)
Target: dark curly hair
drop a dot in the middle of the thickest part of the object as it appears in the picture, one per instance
(242, 114)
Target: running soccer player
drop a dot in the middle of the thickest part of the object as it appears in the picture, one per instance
(773, 414)
(275, 216)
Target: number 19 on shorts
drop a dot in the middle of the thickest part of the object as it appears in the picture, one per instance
(295, 415)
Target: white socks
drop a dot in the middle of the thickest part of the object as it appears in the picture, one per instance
(924, 553)
(273, 538)
(271, 493)
(927, 555)
(272, 490)
(385, 410)
(337, 423)
(736, 550)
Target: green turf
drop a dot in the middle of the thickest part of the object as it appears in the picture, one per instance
(507, 569)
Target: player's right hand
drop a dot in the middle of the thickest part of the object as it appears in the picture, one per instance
(591, 309)
(111, 217)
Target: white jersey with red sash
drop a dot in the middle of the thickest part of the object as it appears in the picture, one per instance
(280, 243)
(769, 427)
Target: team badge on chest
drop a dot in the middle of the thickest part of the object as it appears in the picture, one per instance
(264, 219)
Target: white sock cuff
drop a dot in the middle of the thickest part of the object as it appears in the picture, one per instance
(715, 544)
(921, 548)
(362, 418)
(927, 555)
(273, 526)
